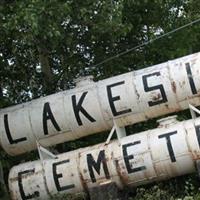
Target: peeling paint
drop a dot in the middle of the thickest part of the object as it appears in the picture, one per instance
(131, 161)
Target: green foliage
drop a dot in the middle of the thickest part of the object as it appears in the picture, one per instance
(45, 45)
(181, 188)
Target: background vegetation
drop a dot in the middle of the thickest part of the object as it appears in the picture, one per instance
(45, 45)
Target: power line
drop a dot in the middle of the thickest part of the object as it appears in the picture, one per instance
(146, 43)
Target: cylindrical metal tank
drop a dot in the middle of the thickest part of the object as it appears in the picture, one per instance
(154, 155)
(91, 107)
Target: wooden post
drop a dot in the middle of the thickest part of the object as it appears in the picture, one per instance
(3, 190)
(198, 167)
(108, 191)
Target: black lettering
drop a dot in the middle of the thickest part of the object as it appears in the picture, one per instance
(127, 158)
(48, 115)
(169, 144)
(97, 165)
(197, 129)
(57, 176)
(111, 100)
(8, 133)
(156, 87)
(21, 189)
(190, 78)
(78, 108)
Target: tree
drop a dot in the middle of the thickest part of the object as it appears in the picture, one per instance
(45, 45)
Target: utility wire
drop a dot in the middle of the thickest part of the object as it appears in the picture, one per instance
(146, 43)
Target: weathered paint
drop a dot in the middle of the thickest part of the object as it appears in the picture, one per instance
(91, 107)
(154, 155)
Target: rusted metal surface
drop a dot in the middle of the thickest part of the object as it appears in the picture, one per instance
(91, 107)
(168, 151)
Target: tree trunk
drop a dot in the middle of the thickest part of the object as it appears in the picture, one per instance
(46, 70)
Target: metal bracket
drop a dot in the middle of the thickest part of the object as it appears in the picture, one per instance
(120, 131)
(194, 111)
(44, 153)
